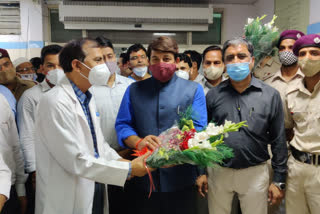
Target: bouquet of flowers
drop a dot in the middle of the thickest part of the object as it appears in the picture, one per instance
(183, 144)
(264, 38)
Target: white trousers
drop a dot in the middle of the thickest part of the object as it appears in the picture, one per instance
(303, 188)
(251, 184)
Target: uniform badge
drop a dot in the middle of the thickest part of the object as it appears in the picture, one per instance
(316, 40)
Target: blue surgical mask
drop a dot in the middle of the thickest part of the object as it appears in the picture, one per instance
(238, 71)
(140, 71)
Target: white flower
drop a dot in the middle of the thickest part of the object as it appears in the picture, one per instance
(200, 136)
(197, 139)
(269, 26)
(275, 29)
(298, 35)
(213, 130)
(205, 145)
(250, 20)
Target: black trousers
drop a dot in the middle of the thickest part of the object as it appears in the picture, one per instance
(98, 199)
(12, 206)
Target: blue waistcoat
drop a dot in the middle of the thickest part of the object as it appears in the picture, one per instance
(155, 109)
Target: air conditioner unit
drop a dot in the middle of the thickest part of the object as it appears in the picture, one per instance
(98, 15)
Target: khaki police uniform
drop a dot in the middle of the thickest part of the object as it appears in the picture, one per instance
(303, 183)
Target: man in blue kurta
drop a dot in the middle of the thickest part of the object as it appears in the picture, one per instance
(150, 107)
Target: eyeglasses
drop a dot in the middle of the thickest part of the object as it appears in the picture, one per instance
(26, 69)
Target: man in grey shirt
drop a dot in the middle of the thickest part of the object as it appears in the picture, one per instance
(245, 98)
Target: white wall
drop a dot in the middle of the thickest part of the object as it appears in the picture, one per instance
(31, 32)
(235, 16)
(314, 11)
(265, 7)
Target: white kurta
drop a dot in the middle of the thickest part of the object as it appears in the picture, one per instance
(10, 146)
(66, 166)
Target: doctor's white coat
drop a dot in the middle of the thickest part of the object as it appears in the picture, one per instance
(66, 166)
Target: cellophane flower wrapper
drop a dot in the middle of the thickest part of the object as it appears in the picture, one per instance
(184, 145)
(264, 38)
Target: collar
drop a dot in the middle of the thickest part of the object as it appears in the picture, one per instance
(82, 97)
(278, 75)
(254, 83)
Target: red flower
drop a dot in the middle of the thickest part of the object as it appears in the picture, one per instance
(186, 136)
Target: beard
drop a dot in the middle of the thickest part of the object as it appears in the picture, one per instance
(7, 77)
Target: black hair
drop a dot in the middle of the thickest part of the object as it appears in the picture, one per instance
(124, 57)
(49, 50)
(104, 42)
(73, 50)
(134, 48)
(211, 48)
(36, 62)
(237, 41)
(195, 57)
(185, 58)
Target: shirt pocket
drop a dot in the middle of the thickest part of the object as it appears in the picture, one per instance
(301, 120)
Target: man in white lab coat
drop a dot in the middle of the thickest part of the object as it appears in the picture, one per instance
(73, 161)
(12, 157)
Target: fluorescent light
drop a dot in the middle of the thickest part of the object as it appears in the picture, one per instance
(164, 34)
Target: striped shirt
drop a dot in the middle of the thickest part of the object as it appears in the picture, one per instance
(84, 99)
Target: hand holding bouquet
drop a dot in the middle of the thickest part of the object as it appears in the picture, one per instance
(183, 144)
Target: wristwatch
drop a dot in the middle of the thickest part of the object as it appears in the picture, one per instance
(281, 186)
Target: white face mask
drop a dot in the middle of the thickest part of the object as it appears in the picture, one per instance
(112, 66)
(213, 72)
(54, 76)
(28, 76)
(140, 71)
(98, 75)
(183, 74)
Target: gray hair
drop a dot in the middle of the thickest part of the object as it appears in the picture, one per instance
(235, 42)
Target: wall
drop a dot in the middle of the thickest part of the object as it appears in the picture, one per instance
(235, 16)
(314, 18)
(30, 42)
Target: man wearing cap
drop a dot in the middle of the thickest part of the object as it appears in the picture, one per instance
(8, 76)
(288, 74)
(303, 115)
(24, 69)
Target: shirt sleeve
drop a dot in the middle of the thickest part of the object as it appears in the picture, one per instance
(25, 122)
(124, 121)
(278, 144)
(5, 178)
(199, 115)
(21, 177)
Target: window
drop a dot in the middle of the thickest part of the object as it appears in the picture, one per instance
(10, 18)
(213, 35)
(58, 33)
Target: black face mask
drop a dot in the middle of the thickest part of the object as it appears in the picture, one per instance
(40, 77)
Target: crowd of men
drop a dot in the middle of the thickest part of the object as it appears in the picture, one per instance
(70, 119)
